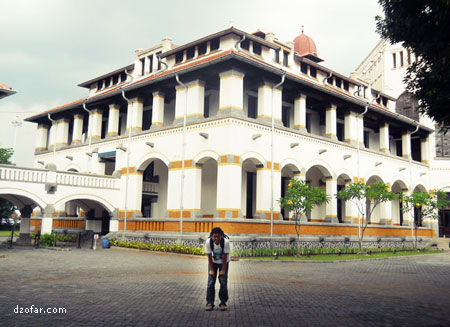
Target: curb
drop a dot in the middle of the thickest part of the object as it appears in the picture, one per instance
(335, 261)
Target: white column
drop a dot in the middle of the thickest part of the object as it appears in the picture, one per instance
(62, 132)
(406, 145)
(385, 213)
(231, 95)
(95, 124)
(263, 191)
(52, 135)
(191, 193)
(300, 112)
(384, 138)
(330, 123)
(41, 138)
(113, 120)
(264, 101)
(195, 100)
(425, 150)
(134, 115)
(350, 128)
(229, 179)
(158, 109)
(331, 207)
(77, 128)
(47, 220)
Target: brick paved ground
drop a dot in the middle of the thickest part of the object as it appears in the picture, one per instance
(120, 287)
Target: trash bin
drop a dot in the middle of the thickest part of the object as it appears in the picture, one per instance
(105, 243)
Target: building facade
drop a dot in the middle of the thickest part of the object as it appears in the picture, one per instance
(385, 68)
(210, 133)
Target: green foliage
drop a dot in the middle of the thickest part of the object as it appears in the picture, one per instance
(174, 248)
(48, 239)
(367, 198)
(429, 203)
(6, 208)
(5, 156)
(422, 26)
(311, 252)
(66, 238)
(301, 198)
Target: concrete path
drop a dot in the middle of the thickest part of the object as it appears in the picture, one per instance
(124, 287)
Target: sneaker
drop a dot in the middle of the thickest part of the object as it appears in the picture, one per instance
(209, 307)
(222, 307)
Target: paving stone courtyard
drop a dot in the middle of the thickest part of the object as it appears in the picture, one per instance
(124, 287)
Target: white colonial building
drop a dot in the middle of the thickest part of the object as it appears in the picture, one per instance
(209, 134)
(384, 69)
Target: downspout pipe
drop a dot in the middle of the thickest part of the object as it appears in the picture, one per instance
(54, 138)
(128, 157)
(272, 156)
(325, 80)
(183, 147)
(89, 124)
(237, 46)
(158, 56)
(366, 108)
(413, 222)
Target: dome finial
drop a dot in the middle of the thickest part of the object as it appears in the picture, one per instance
(303, 29)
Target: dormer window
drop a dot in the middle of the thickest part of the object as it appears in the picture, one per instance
(276, 56)
(245, 44)
(107, 82)
(179, 57)
(257, 50)
(202, 49)
(215, 44)
(190, 53)
(285, 58)
(142, 66)
(312, 71)
(123, 77)
(99, 85)
(384, 101)
(115, 79)
(346, 85)
(304, 68)
(330, 80)
(338, 82)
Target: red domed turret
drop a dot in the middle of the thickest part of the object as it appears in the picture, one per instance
(305, 47)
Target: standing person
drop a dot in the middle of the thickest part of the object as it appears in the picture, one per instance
(217, 247)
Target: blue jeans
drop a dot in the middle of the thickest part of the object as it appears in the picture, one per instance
(211, 289)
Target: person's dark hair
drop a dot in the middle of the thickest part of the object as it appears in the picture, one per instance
(217, 230)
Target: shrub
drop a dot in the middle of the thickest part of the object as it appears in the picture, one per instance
(48, 239)
(174, 248)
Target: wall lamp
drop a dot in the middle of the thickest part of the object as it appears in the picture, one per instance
(347, 156)
(122, 148)
(322, 151)
(293, 145)
(378, 163)
(69, 157)
(256, 136)
(204, 135)
(150, 144)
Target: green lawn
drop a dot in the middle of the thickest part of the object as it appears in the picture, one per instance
(335, 257)
(8, 232)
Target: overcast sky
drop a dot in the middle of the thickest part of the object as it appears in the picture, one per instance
(47, 47)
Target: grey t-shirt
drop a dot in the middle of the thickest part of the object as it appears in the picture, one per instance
(217, 251)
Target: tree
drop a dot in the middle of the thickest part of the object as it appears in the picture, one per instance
(366, 198)
(6, 207)
(428, 205)
(5, 156)
(422, 26)
(301, 198)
